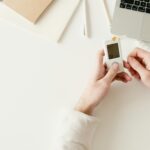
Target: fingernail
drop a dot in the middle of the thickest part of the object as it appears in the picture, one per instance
(128, 65)
(115, 66)
(129, 79)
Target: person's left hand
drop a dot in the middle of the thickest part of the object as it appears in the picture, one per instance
(99, 85)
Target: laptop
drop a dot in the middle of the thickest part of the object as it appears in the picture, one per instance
(132, 18)
(30, 9)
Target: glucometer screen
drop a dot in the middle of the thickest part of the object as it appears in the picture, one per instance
(113, 51)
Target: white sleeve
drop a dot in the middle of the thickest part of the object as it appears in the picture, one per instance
(77, 132)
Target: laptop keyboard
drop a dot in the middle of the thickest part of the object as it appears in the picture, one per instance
(136, 5)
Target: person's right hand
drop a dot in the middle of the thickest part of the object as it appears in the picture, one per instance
(139, 65)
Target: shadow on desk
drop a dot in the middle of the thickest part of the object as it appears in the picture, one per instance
(124, 119)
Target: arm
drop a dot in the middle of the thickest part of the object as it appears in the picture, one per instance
(79, 126)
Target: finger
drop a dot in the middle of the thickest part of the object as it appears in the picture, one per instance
(137, 76)
(99, 67)
(112, 73)
(134, 74)
(125, 76)
(138, 52)
(126, 65)
(100, 57)
(136, 66)
(142, 55)
(121, 79)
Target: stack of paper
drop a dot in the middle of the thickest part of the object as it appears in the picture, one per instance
(52, 24)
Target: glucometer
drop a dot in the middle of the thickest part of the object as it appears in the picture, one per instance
(113, 54)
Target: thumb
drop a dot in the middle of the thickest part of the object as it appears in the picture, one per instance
(112, 73)
(136, 65)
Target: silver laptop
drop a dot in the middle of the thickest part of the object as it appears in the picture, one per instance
(132, 18)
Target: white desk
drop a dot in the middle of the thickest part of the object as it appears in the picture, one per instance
(39, 78)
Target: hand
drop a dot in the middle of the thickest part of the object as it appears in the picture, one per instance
(99, 85)
(139, 65)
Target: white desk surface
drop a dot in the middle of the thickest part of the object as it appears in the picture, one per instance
(39, 78)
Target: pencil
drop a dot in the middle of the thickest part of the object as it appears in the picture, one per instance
(107, 13)
(85, 19)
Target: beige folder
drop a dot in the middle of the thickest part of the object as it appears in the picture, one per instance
(30, 9)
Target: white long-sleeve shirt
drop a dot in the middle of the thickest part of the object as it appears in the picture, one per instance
(77, 132)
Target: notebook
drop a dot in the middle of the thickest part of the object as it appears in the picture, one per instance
(51, 25)
(30, 9)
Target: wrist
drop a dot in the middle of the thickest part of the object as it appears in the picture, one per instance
(83, 107)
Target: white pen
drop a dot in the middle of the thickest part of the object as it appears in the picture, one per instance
(85, 19)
